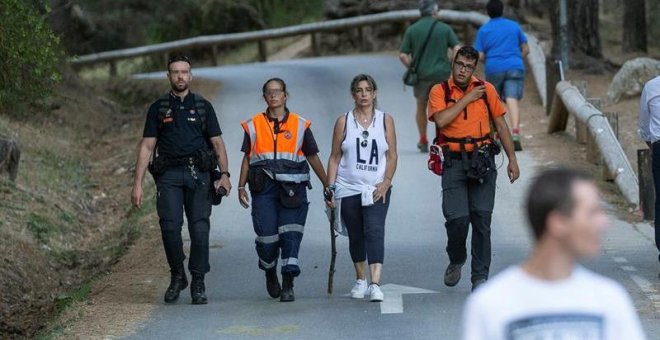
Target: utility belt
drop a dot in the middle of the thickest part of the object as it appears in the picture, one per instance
(292, 194)
(203, 160)
(479, 162)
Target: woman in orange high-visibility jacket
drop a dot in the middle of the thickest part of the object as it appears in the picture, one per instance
(278, 147)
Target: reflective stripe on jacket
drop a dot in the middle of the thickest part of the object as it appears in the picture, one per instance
(278, 147)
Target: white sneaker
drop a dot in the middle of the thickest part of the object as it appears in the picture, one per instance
(375, 294)
(359, 289)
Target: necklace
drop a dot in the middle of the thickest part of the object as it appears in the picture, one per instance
(366, 118)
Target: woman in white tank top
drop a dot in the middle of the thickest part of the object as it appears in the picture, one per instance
(360, 169)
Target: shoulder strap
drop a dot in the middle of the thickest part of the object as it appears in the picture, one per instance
(345, 123)
(447, 90)
(200, 107)
(163, 107)
(418, 57)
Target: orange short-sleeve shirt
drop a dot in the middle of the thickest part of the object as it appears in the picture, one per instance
(473, 122)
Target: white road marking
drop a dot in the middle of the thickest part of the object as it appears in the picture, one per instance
(393, 302)
(629, 268)
(647, 287)
(619, 259)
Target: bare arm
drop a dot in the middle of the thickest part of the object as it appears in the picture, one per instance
(243, 198)
(482, 57)
(392, 158)
(405, 59)
(145, 148)
(221, 154)
(524, 49)
(335, 153)
(446, 116)
(505, 136)
(315, 162)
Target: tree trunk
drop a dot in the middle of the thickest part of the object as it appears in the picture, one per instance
(583, 28)
(583, 31)
(634, 26)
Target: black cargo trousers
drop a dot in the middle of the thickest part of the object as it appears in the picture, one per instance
(468, 201)
(180, 189)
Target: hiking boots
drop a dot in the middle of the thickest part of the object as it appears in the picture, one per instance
(286, 295)
(178, 282)
(273, 284)
(477, 283)
(198, 290)
(453, 274)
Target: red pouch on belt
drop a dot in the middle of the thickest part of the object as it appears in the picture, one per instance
(435, 159)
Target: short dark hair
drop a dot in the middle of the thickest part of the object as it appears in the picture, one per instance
(178, 57)
(468, 52)
(551, 191)
(495, 8)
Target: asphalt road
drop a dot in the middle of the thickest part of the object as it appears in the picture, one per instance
(239, 307)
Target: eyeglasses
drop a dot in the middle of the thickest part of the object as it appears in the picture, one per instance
(275, 92)
(365, 135)
(460, 66)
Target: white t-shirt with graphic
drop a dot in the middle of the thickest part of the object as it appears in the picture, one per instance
(516, 306)
(363, 160)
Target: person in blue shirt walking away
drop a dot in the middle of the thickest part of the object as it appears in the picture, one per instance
(503, 44)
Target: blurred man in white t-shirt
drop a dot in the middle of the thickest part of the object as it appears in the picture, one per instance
(550, 296)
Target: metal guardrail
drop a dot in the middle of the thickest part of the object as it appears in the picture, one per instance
(473, 18)
(568, 99)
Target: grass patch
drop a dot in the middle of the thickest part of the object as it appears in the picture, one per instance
(63, 173)
(43, 228)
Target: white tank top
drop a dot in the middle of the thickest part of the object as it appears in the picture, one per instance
(363, 160)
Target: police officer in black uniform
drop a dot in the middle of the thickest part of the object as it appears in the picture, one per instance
(182, 138)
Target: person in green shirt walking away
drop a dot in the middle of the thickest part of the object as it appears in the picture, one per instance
(425, 46)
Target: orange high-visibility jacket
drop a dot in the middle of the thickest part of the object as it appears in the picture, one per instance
(271, 144)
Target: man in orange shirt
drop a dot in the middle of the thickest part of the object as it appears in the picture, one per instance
(463, 108)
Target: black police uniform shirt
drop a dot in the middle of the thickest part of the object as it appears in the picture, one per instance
(181, 135)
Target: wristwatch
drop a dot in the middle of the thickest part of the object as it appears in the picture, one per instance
(225, 173)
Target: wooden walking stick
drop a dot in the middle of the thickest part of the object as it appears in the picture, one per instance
(333, 249)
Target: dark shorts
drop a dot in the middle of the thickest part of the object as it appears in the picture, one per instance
(508, 84)
(422, 89)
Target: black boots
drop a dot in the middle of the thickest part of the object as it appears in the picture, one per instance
(287, 288)
(198, 290)
(178, 283)
(272, 283)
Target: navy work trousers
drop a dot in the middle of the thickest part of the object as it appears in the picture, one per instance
(180, 189)
(467, 201)
(278, 228)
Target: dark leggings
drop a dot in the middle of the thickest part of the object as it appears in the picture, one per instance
(366, 228)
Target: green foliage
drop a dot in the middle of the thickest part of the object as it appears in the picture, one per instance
(29, 55)
(43, 228)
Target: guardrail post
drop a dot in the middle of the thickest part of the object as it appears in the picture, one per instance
(558, 115)
(552, 77)
(613, 120)
(113, 69)
(581, 131)
(315, 45)
(263, 51)
(362, 36)
(214, 55)
(592, 148)
(467, 34)
(646, 185)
